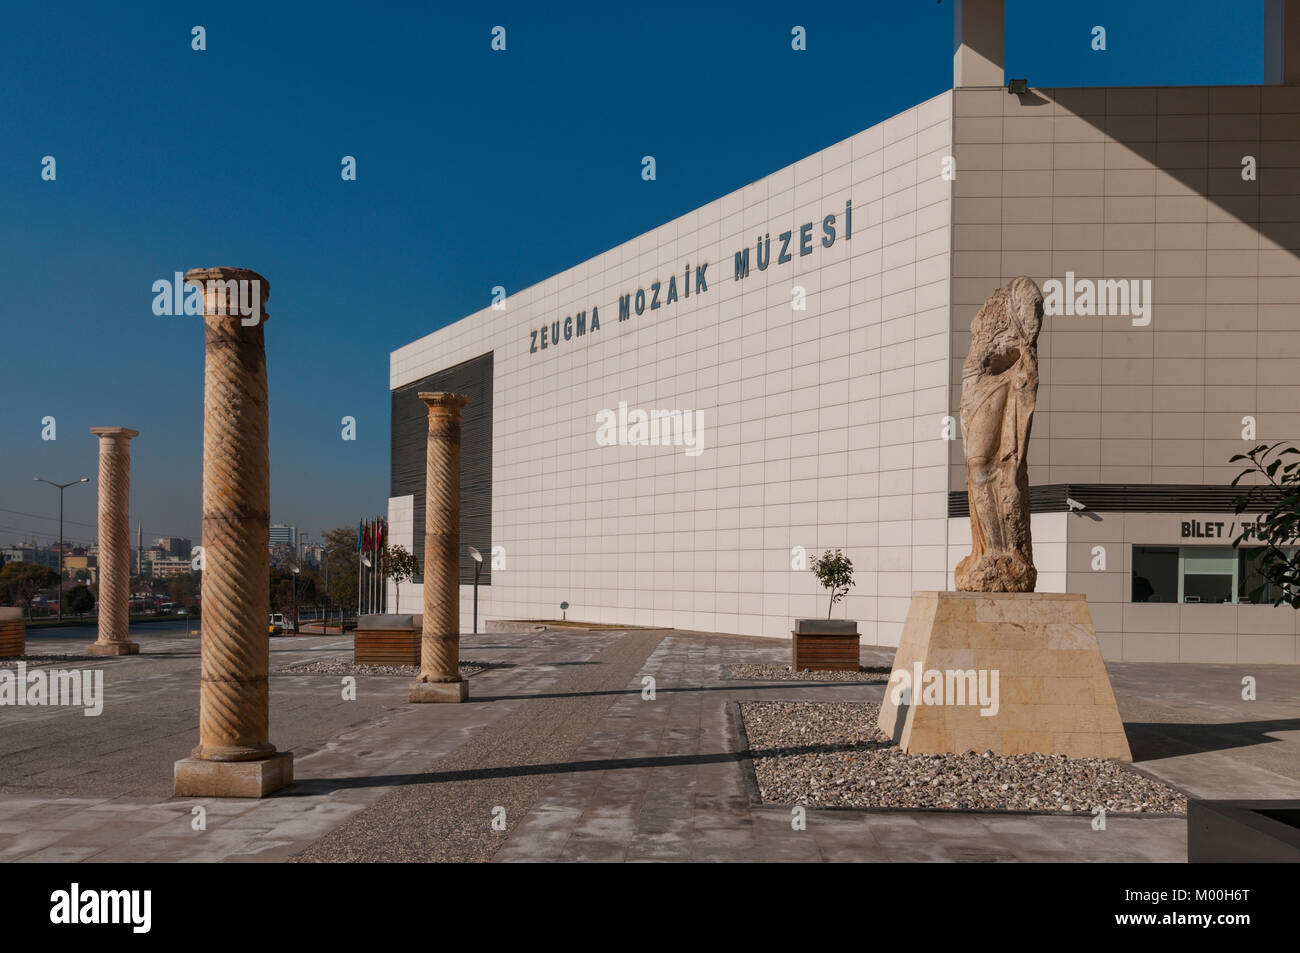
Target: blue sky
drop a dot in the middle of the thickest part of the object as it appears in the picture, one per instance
(474, 169)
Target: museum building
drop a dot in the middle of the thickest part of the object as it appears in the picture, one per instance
(664, 434)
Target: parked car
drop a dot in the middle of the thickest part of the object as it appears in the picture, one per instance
(276, 625)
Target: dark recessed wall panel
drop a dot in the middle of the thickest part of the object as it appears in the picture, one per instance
(409, 432)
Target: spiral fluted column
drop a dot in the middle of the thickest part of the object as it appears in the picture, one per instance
(440, 679)
(234, 756)
(114, 561)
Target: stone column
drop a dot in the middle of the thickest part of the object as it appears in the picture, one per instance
(114, 542)
(234, 757)
(440, 679)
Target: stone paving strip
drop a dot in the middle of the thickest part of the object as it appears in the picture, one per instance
(342, 665)
(447, 813)
(833, 755)
(783, 673)
(46, 661)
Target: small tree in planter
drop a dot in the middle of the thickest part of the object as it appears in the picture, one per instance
(389, 638)
(835, 573)
(827, 644)
(399, 566)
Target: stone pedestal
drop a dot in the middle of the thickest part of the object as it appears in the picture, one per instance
(196, 778)
(1038, 649)
(234, 757)
(440, 691)
(114, 542)
(440, 679)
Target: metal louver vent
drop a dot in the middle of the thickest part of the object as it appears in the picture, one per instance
(1133, 498)
(410, 423)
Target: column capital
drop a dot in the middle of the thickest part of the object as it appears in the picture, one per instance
(124, 433)
(214, 282)
(444, 399)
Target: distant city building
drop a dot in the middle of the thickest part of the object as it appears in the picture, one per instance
(74, 563)
(162, 566)
(283, 535)
(29, 553)
(177, 546)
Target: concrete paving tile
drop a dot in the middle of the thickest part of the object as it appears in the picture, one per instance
(62, 854)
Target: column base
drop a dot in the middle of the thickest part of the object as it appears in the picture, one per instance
(440, 691)
(113, 648)
(195, 778)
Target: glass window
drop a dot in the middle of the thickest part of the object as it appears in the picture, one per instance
(1249, 579)
(1155, 573)
(1198, 574)
(1209, 574)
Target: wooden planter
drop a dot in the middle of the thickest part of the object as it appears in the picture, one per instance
(825, 645)
(386, 640)
(13, 632)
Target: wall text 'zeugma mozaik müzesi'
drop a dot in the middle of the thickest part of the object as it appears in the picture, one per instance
(787, 245)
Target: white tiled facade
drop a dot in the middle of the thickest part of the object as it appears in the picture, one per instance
(820, 426)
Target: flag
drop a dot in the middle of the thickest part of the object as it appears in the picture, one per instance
(358, 537)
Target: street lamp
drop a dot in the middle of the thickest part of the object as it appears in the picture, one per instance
(478, 568)
(62, 487)
(293, 583)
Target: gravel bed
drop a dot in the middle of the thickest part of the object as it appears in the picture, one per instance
(13, 660)
(853, 764)
(783, 673)
(342, 665)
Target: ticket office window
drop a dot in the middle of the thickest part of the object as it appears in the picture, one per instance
(1196, 574)
(1209, 574)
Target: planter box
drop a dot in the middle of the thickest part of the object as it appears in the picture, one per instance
(826, 626)
(825, 645)
(386, 640)
(13, 632)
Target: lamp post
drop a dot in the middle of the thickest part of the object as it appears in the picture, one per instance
(62, 487)
(478, 568)
(293, 583)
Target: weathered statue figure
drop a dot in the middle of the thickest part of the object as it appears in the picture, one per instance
(998, 390)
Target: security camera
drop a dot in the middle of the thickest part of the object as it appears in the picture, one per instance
(1074, 504)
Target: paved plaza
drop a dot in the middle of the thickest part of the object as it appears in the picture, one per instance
(560, 748)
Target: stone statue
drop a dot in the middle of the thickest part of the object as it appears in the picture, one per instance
(998, 390)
